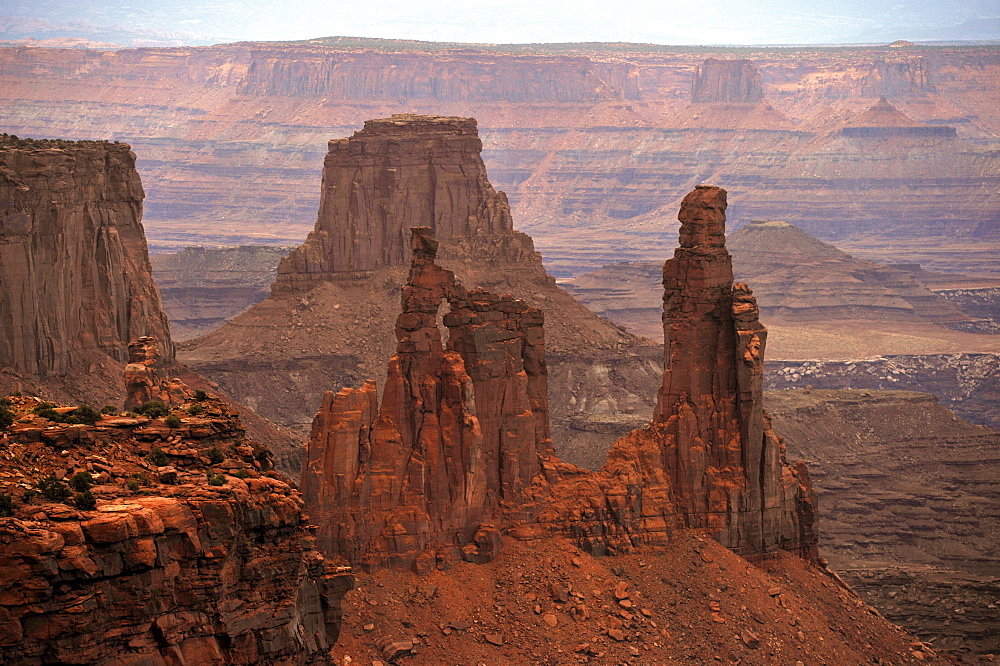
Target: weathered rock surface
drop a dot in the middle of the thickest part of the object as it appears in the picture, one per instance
(709, 459)
(469, 424)
(146, 377)
(909, 506)
(397, 173)
(329, 318)
(727, 81)
(73, 261)
(462, 426)
(193, 551)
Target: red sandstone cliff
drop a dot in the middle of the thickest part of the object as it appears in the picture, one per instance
(727, 81)
(75, 275)
(397, 173)
(468, 424)
(181, 547)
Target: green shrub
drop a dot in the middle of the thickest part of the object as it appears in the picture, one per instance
(28, 495)
(83, 414)
(173, 421)
(158, 457)
(200, 396)
(6, 505)
(152, 408)
(53, 489)
(81, 481)
(141, 478)
(242, 474)
(196, 409)
(215, 455)
(132, 485)
(5, 402)
(217, 480)
(109, 409)
(42, 406)
(6, 418)
(49, 413)
(85, 501)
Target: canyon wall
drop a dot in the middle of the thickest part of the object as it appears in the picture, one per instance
(727, 81)
(73, 262)
(596, 142)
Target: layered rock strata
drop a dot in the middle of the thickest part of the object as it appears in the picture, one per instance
(367, 205)
(461, 428)
(146, 378)
(708, 460)
(185, 548)
(730, 81)
(73, 261)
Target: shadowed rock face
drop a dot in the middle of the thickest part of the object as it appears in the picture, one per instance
(469, 424)
(400, 172)
(74, 273)
(731, 81)
(461, 428)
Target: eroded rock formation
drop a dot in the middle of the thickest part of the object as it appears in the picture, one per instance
(146, 378)
(468, 424)
(730, 81)
(182, 546)
(73, 262)
(461, 428)
(401, 172)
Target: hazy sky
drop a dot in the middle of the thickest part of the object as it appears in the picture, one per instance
(508, 21)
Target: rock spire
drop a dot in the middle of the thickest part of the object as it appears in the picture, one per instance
(463, 426)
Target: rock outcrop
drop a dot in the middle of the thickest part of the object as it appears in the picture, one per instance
(329, 318)
(468, 424)
(709, 459)
(146, 378)
(462, 427)
(401, 172)
(74, 269)
(728, 81)
(179, 546)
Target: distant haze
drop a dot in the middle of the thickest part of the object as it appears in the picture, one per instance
(197, 22)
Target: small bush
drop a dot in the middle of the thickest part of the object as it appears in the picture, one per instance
(242, 474)
(53, 489)
(28, 495)
(200, 396)
(42, 406)
(141, 478)
(152, 408)
(6, 418)
(83, 414)
(85, 501)
(132, 485)
(81, 481)
(48, 413)
(109, 409)
(173, 421)
(6, 505)
(196, 409)
(5, 402)
(158, 457)
(215, 455)
(217, 480)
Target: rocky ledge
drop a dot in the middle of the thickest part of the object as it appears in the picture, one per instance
(157, 537)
